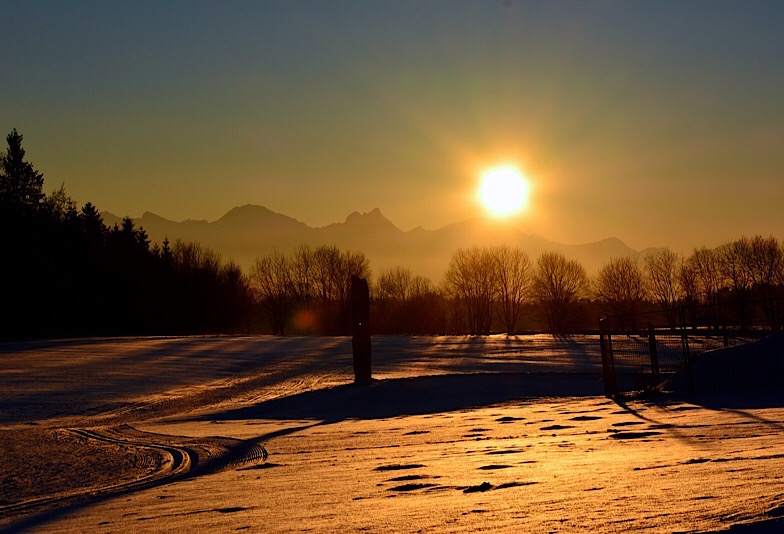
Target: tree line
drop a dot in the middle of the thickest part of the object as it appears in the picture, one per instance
(65, 273)
(500, 289)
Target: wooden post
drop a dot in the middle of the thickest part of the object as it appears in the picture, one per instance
(360, 329)
(654, 353)
(608, 361)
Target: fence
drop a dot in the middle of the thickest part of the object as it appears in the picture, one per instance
(643, 351)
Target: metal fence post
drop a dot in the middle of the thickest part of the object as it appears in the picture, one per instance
(686, 354)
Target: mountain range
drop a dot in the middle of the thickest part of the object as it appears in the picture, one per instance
(251, 231)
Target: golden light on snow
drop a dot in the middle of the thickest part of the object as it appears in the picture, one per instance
(503, 190)
(557, 460)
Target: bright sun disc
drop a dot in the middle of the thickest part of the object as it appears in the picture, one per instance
(503, 190)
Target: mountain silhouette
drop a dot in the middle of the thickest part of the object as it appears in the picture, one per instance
(250, 231)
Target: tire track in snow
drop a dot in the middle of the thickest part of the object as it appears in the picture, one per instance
(180, 460)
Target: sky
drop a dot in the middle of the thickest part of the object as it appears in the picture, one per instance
(657, 122)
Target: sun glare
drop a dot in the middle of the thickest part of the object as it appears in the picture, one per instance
(503, 190)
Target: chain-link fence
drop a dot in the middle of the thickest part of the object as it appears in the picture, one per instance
(641, 352)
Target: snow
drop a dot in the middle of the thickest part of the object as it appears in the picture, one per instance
(456, 434)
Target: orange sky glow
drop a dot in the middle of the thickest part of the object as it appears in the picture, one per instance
(657, 124)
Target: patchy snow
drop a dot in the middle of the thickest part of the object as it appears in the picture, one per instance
(455, 434)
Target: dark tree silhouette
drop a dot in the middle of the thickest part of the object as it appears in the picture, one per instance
(64, 273)
(661, 270)
(620, 283)
(310, 283)
(471, 280)
(514, 278)
(270, 278)
(21, 186)
(405, 303)
(558, 284)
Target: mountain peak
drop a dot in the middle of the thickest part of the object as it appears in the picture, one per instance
(248, 210)
(254, 215)
(374, 217)
(248, 231)
(148, 216)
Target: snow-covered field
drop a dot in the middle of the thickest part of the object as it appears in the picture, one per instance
(456, 434)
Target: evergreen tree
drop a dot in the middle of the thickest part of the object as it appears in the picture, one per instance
(21, 186)
(92, 222)
(166, 252)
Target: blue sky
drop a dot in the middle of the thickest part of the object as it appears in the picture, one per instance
(660, 123)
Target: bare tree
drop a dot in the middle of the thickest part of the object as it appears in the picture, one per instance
(332, 271)
(780, 274)
(60, 206)
(558, 284)
(236, 290)
(270, 279)
(192, 257)
(470, 279)
(661, 269)
(514, 279)
(766, 264)
(706, 263)
(405, 300)
(621, 284)
(421, 287)
(400, 284)
(351, 264)
(733, 265)
(303, 274)
(688, 281)
(198, 269)
(327, 272)
(766, 261)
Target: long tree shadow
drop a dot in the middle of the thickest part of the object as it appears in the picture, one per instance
(416, 396)
(130, 370)
(378, 400)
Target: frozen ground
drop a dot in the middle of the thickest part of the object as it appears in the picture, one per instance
(457, 434)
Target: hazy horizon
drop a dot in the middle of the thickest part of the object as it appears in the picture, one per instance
(685, 250)
(656, 123)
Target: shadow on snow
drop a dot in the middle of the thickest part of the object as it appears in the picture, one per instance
(417, 396)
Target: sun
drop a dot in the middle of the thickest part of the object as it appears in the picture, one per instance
(503, 190)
